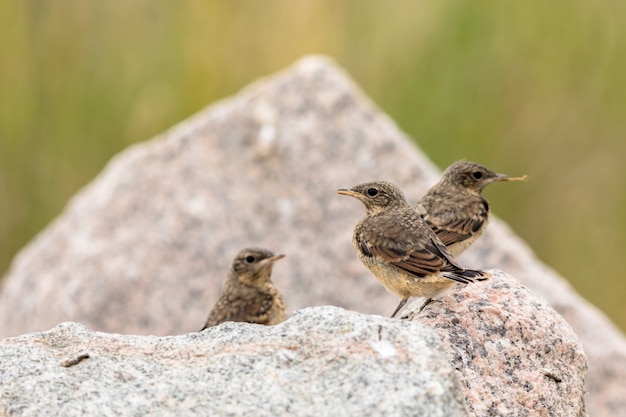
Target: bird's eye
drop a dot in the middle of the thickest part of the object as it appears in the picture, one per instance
(477, 175)
(249, 259)
(372, 192)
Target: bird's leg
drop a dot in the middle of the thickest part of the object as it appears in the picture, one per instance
(402, 303)
(413, 313)
(428, 300)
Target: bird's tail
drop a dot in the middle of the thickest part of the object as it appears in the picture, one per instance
(466, 276)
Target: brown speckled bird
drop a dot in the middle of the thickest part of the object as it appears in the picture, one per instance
(402, 252)
(249, 294)
(454, 207)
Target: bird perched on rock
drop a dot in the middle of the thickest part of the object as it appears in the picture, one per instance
(454, 207)
(249, 294)
(402, 252)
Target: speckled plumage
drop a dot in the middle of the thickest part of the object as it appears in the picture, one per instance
(397, 246)
(454, 207)
(249, 294)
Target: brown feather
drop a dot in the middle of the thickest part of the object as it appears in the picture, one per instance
(454, 207)
(399, 248)
(249, 294)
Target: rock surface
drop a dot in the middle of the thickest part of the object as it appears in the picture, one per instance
(323, 361)
(499, 340)
(514, 355)
(145, 247)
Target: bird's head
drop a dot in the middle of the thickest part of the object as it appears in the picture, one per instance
(254, 265)
(377, 196)
(473, 177)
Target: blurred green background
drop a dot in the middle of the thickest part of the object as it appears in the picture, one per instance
(530, 87)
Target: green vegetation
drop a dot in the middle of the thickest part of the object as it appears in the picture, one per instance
(531, 87)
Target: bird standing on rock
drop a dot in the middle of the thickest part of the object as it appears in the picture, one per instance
(249, 294)
(398, 247)
(454, 207)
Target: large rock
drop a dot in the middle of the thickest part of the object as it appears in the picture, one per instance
(512, 354)
(144, 248)
(324, 361)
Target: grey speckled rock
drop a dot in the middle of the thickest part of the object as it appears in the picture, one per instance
(145, 247)
(324, 361)
(514, 355)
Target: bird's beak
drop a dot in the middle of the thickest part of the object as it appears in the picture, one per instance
(269, 261)
(275, 257)
(351, 193)
(504, 177)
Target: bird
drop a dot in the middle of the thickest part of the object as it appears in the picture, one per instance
(454, 207)
(401, 251)
(249, 294)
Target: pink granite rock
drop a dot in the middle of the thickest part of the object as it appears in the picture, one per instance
(513, 354)
(518, 359)
(604, 344)
(145, 247)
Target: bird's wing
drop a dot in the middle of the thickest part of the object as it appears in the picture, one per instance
(407, 245)
(450, 233)
(249, 306)
(451, 227)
